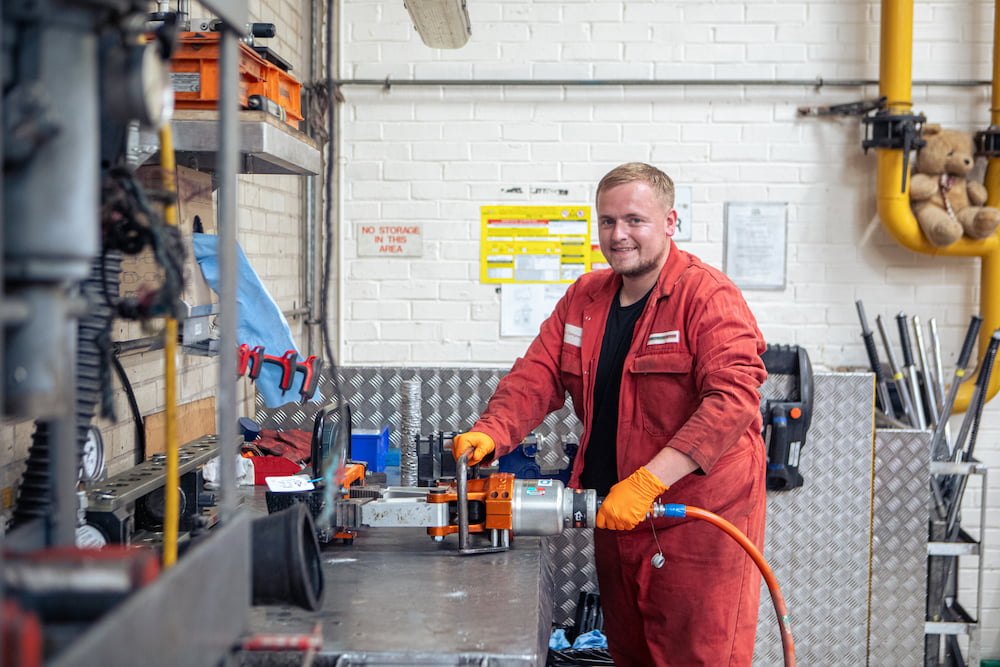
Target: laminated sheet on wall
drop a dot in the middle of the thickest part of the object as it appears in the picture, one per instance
(817, 537)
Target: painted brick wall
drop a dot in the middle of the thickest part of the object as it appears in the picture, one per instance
(433, 155)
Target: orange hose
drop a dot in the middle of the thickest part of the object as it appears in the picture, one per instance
(784, 623)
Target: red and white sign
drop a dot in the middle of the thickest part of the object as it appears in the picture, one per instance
(390, 240)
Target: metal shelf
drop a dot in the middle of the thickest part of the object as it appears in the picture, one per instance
(267, 145)
(955, 619)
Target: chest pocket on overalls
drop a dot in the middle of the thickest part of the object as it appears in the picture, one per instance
(571, 369)
(664, 388)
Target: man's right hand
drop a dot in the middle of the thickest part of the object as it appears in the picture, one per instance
(481, 445)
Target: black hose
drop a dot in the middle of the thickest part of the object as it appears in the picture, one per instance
(133, 405)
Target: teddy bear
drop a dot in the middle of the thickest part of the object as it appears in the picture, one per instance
(945, 203)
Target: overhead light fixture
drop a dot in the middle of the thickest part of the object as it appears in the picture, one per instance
(441, 24)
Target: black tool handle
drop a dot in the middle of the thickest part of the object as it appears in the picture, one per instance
(861, 316)
(970, 341)
(904, 339)
(869, 340)
(986, 368)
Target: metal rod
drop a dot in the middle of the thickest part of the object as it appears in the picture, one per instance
(925, 372)
(228, 316)
(973, 415)
(462, 479)
(891, 421)
(873, 362)
(910, 370)
(939, 448)
(818, 82)
(897, 376)
(937, 364)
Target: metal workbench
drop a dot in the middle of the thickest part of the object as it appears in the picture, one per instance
(394, 597)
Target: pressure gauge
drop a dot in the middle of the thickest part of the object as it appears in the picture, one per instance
(92, 457)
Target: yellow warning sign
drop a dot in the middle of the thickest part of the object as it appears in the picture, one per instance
(534, 244)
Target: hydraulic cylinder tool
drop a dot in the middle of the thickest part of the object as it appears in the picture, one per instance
(786, 420)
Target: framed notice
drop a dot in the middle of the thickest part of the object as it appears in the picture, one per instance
(534, 244)
(756, 244)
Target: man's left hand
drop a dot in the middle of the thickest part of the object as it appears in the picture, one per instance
(630, 500)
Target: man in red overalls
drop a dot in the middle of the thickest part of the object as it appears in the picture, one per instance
(661, 356)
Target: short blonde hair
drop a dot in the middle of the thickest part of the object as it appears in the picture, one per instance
(633, 172)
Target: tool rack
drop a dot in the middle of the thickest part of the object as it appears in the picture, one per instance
(942, 580)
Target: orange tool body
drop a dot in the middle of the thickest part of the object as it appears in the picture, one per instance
(495, 492)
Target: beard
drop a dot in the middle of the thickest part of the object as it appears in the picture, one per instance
(640, 266)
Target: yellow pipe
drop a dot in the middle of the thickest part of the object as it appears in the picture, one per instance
(896, 55)
(171, 514)
(895, 82)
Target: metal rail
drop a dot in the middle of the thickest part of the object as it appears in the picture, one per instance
(818, 82)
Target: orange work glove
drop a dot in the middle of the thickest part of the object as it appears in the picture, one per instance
(481, 445)
(629, 501)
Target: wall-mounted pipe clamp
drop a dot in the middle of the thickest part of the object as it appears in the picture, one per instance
(898, 131)
(988, 142)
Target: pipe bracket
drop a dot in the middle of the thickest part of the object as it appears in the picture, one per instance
(896, 131)
(988, 142)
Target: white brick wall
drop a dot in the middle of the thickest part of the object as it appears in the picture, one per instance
(435, 155)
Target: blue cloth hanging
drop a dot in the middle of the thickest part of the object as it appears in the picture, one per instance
(259, 321)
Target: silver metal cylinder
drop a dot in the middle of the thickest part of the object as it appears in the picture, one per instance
(547, 507)
(51, 202)
(409, 430)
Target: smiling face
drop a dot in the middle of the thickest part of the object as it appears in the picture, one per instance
(634, 227)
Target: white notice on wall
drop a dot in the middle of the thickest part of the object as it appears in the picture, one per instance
(755, 244)
(524, 306)
(390, 240)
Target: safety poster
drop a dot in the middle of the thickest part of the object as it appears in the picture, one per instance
(534, 244)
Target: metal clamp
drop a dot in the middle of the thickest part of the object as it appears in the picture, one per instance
(898, 131)
(988, 142)
(498, 543)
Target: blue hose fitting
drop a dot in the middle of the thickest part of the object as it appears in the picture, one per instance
(670, 509)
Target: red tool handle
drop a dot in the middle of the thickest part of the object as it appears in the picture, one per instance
(242, 359)
(310, 368)
(257, 361)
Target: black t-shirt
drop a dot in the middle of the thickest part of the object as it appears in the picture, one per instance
(600, 463)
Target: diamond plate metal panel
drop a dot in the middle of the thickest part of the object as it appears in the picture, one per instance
(899, 547)
(817, 539)
(572, 552)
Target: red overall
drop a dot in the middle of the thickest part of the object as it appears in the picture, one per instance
(690, 381)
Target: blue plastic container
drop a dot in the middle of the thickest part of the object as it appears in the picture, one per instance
(370, 446)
